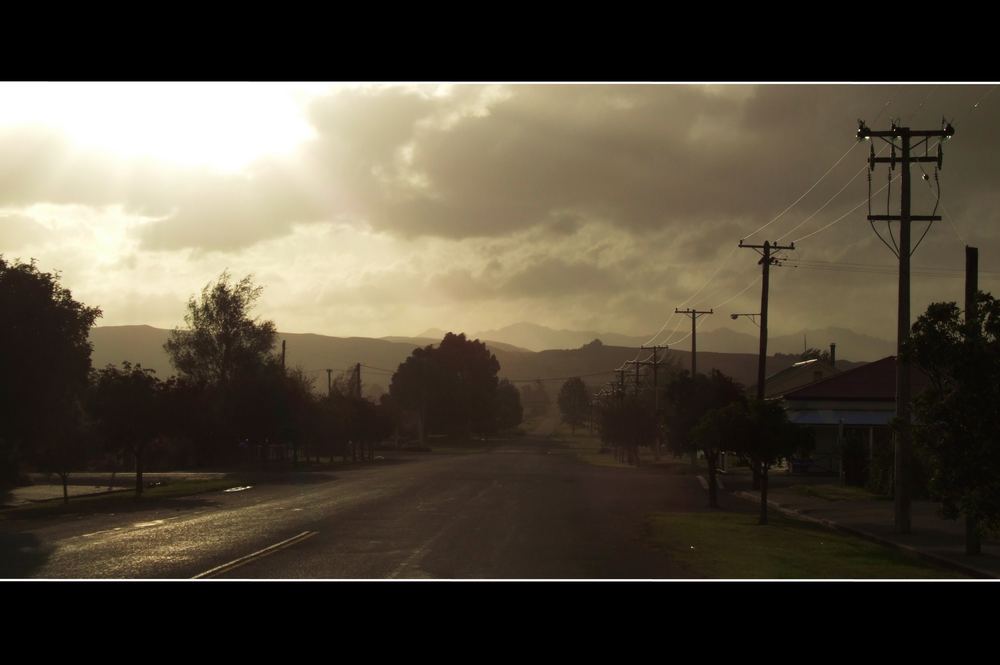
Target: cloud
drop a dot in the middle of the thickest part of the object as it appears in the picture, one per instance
(19, 231)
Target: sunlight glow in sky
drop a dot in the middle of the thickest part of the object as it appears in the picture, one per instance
(388, 209)
(224, 126)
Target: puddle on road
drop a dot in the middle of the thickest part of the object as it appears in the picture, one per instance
(238, 489)
(140, 525)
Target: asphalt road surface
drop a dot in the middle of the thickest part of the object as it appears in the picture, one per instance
(524, 509)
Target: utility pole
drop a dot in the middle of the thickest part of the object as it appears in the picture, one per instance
(329, 382)
(635, 388)
(694, 314)
(902, 467)
(357, 380)
(973, 542)
(282, 355)
(656, 391)
(767, 260)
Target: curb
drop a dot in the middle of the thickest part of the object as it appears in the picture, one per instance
(836, 526)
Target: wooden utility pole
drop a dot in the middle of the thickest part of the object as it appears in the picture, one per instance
(694, 314)
(767, 259)
(282, 355)
(655, 364)
(973, 541)
(329, 382)
(621, 384)
(902, 466)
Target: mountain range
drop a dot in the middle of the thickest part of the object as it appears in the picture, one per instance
(535, 337)
(314, 354)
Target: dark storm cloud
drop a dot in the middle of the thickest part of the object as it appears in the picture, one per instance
(411, 163)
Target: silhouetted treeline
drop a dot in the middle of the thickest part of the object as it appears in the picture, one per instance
(232, 401)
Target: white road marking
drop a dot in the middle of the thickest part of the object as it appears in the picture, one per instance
(243, 560)
(142, 525)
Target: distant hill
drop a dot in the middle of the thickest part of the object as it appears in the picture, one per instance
(312, 353)
(539, 338)
(534, 337)
(315, 353)
(424, 341)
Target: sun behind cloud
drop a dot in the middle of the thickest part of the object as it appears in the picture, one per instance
(223, 126)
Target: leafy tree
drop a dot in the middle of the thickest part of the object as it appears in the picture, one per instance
(227, 355)
(688, 400)
(44, 366)
(625, 425)
(221, 340)
(507, 406)
(765, 436)
(719, 429)
(574, 403)
(452, 386)
(957, 419)
(126, 405)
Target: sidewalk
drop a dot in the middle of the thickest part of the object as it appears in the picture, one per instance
(46, 487)
(931, 536)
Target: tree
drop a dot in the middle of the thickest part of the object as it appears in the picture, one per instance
(765, 436)
(626, 424)
(452, 386)
(718, 429)
(957, 418)
(44, 365)
(574, 403)
(227, 355)
(507, 406)
(688, 401)
(221, 340)
(126, 406)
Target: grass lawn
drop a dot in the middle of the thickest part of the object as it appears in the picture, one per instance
(724, 545)
(837, 492)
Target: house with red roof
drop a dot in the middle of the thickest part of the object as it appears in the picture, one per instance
(850, 413)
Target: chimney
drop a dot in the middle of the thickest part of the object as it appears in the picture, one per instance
(833, 353)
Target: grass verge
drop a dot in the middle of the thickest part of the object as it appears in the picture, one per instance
(724, 545)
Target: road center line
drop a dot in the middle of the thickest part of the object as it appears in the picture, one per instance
(243, 560)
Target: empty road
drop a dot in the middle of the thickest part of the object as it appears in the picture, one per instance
(525, 508)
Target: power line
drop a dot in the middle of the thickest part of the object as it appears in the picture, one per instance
(796, 201)
(824, 228)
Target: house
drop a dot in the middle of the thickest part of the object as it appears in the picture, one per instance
(800, 374)
(850, 413)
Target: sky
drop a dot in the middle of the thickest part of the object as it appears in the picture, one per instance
(377, 209)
